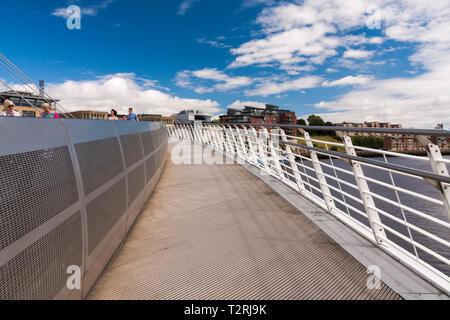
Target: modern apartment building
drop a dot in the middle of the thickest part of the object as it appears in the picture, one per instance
(270, 114)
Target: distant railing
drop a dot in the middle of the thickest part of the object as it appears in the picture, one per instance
(399, 202)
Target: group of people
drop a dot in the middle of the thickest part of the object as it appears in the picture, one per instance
(10, 112)
(48, 113)
(131, 116)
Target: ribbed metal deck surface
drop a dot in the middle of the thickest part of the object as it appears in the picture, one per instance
(218, 232)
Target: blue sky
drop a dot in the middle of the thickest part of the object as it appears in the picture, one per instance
(346, 60)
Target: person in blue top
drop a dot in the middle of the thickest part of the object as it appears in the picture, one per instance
(132, 116)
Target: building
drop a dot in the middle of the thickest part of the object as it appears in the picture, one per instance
(374, 124)
(90, 115)
(270, 114)
(156, 118)
(407, 143)
(26, 103)
(191, 116)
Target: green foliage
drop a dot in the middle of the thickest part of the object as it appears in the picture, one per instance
(314, 120)
(368, 142)
(301, 122)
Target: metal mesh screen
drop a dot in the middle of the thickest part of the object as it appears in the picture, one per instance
(136, 182)
(148, 138)
(150, 167)
(132, 149)
(34, 187)
(39, 272)
(99, 162)
(104, 211)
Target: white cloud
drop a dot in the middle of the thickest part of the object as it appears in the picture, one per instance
(85, 11)
(185, 79)
(346, 81)
(185, 5)
(255, 3)
(121, 91)
(288, 47)
(331, 70)
(238, 104)
(270, 88)
(420, 102)
(214, 43)
(358, 54)
(311, 31)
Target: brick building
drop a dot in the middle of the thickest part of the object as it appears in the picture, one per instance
(271, 115)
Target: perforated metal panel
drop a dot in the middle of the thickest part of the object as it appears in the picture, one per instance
(99, 162)
(34, 187)
(136, 182)
(104, 211)
(37, 185)
(150, 167)
(148, 138)
(39, 272)
(132, 149)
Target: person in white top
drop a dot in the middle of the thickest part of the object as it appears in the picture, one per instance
(9, 110)
(113, 115)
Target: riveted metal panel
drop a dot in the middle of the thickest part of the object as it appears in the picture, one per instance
(103, 212)
(136, 182)
(39, 272)
(99, 162)
(34, 187)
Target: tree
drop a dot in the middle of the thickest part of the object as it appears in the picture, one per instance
(301, 122)
(368, 142)
(314, 120)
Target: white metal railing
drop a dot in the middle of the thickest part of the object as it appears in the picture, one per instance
(396, 222)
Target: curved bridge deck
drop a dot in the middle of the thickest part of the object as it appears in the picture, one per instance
(219, 232)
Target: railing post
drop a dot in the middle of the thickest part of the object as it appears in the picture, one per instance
(275, 154)
(228, 141)
(184, 132)
(369, 204)
(252, 135)
(214, 137)
(320, 176)
(219, 135)
(242, 144)
(198, 133)
(262, 148)
(208, 135)
(238, 152)
(190, 132)
(293, 163)
(203, 134)
(439, 167)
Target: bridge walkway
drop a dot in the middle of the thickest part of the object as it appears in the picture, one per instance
(219, 232)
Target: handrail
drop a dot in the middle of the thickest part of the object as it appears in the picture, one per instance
(416, 132)
(412, 171)
(266, 152)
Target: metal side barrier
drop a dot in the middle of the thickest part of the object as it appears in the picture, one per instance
(69, 192)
